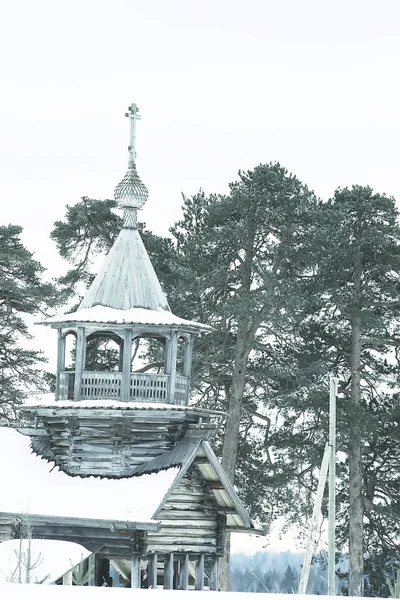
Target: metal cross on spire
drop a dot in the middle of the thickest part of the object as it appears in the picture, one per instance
(131, 193)
(133, 114)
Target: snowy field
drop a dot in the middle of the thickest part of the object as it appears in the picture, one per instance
(46, 592)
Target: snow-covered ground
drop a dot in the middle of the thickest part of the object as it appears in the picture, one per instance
(41, 592)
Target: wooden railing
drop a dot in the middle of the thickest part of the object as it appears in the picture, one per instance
(99, 384)
(149, 387)
(144, 387)
(181, 390)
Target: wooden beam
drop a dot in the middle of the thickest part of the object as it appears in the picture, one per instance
(169, 572)
(199, 578)
(135, 570)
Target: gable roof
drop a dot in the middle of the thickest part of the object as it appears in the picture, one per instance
(198, 451)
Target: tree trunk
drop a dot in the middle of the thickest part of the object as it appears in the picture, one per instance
(246, 331)
(356, 510)
(232, 428)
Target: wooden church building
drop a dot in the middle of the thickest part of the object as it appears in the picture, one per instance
(122, 463)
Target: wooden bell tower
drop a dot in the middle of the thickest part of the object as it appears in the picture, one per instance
(109, 422)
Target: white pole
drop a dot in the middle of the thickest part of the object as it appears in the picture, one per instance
(316, 516)
(332, 487)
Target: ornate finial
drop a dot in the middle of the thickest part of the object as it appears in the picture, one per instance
(131, 193)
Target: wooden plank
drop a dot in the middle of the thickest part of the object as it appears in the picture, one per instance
(199, 578)
(152, 571)
(135, 571)
(169, 572)
(184, 573)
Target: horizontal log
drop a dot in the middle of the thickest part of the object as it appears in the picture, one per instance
(189, 523)
(190, 506)
(186, 514)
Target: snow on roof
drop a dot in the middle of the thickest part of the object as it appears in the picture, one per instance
(30, 484)
(48, 401)
(139, 316)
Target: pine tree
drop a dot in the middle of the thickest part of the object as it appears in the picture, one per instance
(22, 292)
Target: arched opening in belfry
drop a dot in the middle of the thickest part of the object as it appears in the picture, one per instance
(148, 354)
(181, 354)
(70, 351)
(104, 352)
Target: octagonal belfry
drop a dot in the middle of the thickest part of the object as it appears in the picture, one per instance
(110, 418)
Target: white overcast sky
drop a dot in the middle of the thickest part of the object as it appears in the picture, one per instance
(222, 85)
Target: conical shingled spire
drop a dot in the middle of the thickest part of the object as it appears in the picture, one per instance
(127, 278)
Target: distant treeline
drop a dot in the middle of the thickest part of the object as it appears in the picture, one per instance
(274, 572)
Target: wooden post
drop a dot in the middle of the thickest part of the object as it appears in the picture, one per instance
(172, 366)
(199, 579)
(184, 573)
(214, 574)
(153, 571)
(135, 570)
(60, 362)
(310, 544)
(79, 361)
(126, 368)
(332, 488)
(169, 572)
(92, 569)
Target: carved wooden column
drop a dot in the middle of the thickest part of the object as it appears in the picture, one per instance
(199, 577)
(214, 574)
(126, 368)
(169, 572)
(152, 571)
(135, 570)
(184, 573)
(79, 361)
(92, 569)
(173, 350)
(60, 365)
